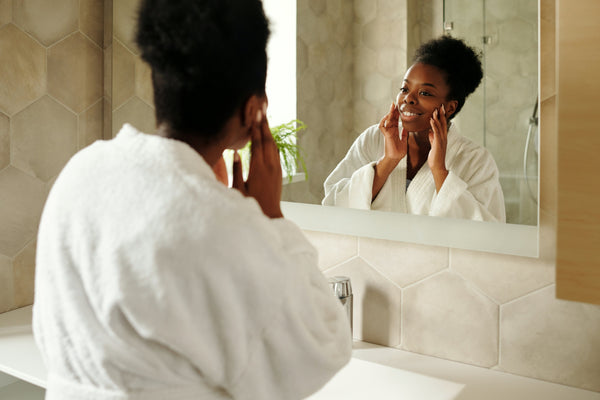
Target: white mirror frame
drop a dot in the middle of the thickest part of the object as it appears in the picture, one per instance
(512, 239)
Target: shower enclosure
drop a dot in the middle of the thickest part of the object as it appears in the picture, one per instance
(502, 114)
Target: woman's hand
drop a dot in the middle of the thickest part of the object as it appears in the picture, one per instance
(438, 138)
(220, 170)
(264, 176)
(396, 145)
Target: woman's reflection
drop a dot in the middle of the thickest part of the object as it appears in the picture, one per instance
(415, 161)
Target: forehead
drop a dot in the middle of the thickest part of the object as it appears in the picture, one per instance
(420, 74)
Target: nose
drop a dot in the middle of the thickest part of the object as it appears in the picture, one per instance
(410, 98)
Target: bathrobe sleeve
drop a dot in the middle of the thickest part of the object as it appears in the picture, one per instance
(472, 188)
(258, 319)
(351, 182)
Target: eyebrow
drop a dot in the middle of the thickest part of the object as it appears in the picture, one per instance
(424, 84)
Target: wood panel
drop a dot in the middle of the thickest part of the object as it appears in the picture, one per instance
(578, 105)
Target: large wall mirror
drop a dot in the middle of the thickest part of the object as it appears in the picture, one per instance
(350, 61)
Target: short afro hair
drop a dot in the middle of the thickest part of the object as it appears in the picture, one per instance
(207, 58)
(460, 62)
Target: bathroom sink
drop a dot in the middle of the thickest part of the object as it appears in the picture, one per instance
(367, 380)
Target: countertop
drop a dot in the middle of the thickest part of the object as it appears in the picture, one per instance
(20, 358)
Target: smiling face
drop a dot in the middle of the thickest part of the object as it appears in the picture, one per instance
(424, 89)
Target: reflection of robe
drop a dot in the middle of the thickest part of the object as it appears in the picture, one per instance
(471, 190)
(156, 280)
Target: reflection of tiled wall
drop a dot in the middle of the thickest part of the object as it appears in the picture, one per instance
(324, 62)
(490, 310)
(132, 98)
(51, 105)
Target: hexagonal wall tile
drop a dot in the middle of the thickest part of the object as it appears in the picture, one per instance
(403, 263)
(75, 72)
(143, 81)
(22, 198)
(24, 275)
(6, 285)
(47, 21)
(365, 10)
(91, 20)
(551, 339)
(137, 113)
(90, 124)
(123, 74)
(22, 69)
(502, 277)
(44, 137)
(376, 303)
(124, 22)
(444, 317)
(4, 141)
(333, 249)
(5, 12)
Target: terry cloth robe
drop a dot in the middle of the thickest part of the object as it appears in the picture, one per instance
(156, 281)
(471, 190)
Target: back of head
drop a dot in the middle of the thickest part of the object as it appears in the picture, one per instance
(458, 61)
(207, 58)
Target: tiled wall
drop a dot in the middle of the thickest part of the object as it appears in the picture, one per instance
(51, 105)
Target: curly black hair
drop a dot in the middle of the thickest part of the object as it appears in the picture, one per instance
(207, 58)
(460, 63)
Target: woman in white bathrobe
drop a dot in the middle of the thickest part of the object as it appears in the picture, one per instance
(154, 280)
(415, 160)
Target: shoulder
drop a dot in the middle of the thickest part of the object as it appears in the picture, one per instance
(466, 150)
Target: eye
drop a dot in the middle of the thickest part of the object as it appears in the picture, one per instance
(403, 90)
(424, 93)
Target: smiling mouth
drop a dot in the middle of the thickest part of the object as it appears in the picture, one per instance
(410, 114)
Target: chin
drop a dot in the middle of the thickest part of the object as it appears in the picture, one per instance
(415, 126)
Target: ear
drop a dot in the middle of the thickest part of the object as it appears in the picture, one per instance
(451, 107)
(250, 110)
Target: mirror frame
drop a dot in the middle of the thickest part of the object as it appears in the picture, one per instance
(510, 239)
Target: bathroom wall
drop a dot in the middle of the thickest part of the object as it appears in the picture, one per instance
(489, 310)
(51, 105)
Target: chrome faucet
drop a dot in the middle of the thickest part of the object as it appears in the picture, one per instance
(343, 290)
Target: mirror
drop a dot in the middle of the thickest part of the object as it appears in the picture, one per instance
(347, 79)
(350, 60)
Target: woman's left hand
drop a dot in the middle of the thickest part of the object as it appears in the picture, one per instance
(438, 138)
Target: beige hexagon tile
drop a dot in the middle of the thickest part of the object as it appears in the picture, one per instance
(376, 303)
(91, 125)
(47, 21)
(143, 81)
(4, 141)
(123, 74)
(22, 198)
(75, 72)
(22, 69)
(24, 275)
(377, 89)
(7, 301)
(333, 249)
(376, 34)
(124, 22)
(365, 10)
(91, 20)
(5, 12)
(502, 277)
(444, 317)
(551, 339)
(301, 57)
(44, 138)
(318, 7)
(403, 263)
(137, 113)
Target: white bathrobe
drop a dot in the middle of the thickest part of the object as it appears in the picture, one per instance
(471, 190)
(155, 281)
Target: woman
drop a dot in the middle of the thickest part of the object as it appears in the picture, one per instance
(156, 281)
(415, 161)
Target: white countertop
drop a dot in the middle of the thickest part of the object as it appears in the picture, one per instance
(19, 357)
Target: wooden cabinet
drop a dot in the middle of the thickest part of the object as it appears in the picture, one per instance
(578, 151)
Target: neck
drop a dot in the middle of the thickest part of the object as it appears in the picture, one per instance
(210, 151)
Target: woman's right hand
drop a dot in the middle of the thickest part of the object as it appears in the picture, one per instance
(396, 144)
(264, 176)
(396, 147)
